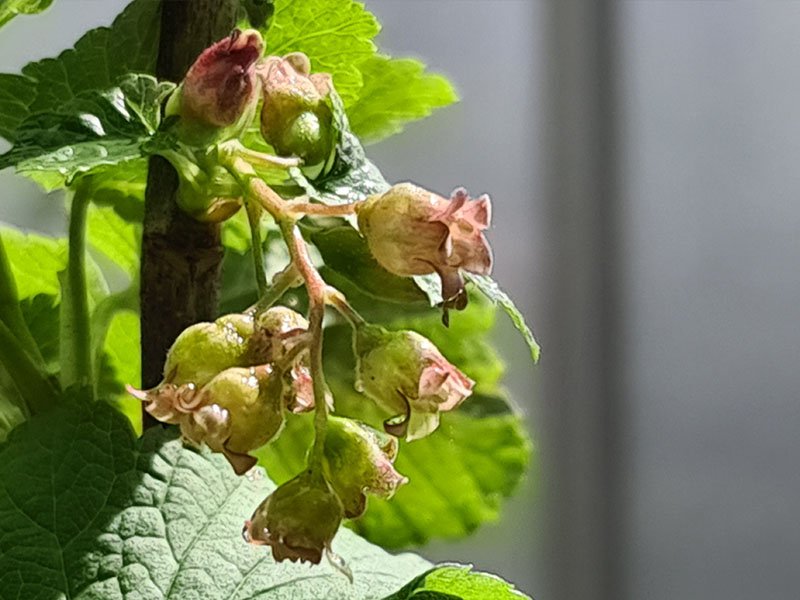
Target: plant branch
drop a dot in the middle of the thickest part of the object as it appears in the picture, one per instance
(316, 288)
(283, 281)
(101, 320)
(181, 257)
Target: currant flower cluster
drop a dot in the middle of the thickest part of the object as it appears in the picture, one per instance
(232, 384)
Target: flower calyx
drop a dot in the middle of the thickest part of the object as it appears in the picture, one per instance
(411, 231)
(359, 460)
(298, 520)
(407, 376)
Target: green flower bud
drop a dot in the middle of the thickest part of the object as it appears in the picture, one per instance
(204, 349)
(411, 231)
(407, 376)
(296, 118)
(218, 97)
(359, 459)
(298, 520)
(239, 410)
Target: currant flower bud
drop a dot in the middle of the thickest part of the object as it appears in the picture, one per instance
(218, 97)
(298, 520)
(359, 459)
(205, 349)
(296, 118)
(411, 231)
(275, 332)
(407, 376)
(239, 410)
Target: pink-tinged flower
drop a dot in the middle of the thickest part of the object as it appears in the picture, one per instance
(359, 460)
(298, 520)
(296, 118)
(411, 231)
(219, 94)
(238, 410)
(407, 376)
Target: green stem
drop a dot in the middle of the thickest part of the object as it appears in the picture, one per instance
(75, 343)
(283, 281)
(102, 316)
(10, 312)
(32, 382)
(254, 213)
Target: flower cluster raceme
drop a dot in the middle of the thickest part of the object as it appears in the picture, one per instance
(232, 384)
(228, 383)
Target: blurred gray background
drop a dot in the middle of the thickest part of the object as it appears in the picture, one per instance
(641, 157)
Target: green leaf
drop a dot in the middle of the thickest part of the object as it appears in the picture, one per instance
(122, 360)
(396, 91)
(117, 239)
(491, 290)
(11, 8)
(89, 512)
(335, 34)
(94, 129)
(457, 582)
(96, 62)
(35, 261)
(460, 474)
(347, 255)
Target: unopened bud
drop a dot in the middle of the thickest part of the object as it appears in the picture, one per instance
(205, 349)
(296, 119)
(239, 410)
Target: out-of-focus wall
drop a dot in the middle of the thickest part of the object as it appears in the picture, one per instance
(712, 189)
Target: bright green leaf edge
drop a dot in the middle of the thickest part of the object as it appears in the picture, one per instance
(11, 8)
(491, 290)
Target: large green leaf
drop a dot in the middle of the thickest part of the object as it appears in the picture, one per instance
(11, 8)
(96, 62)
(460, 474)
(117, 239)
(457, 582)
(92, 130)
(87, 511)
(396, 91)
